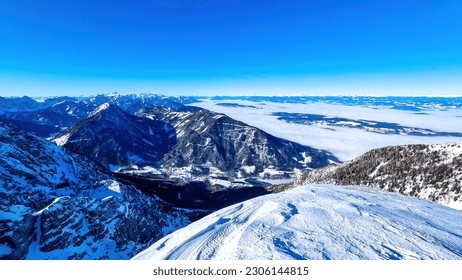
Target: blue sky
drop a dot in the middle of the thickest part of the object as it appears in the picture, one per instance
(230, 47)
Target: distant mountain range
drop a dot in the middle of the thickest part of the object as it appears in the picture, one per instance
(404, 103)
(165, 138)
(53, 115)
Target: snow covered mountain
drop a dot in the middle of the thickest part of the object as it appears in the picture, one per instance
(52, 115)
(186, 143)
(431, 172)
(18, 104)
(132, 103)
(115, 139)
(209, 143)
(58, 205)
(319, 222)
(49, 117)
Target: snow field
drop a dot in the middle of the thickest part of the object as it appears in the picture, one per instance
(319, 222)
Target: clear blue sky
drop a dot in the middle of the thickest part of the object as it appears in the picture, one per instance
(230, 47)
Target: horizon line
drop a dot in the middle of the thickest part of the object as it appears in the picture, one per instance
(235, 95)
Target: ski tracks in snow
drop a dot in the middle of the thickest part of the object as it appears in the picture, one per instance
(320, 222)
(221, 239)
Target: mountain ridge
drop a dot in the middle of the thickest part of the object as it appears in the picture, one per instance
(213, 142)
(115, 138)
(432, 172)
(59, 205)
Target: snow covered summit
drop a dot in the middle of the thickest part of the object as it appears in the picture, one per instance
(111, 136)
(320, 222)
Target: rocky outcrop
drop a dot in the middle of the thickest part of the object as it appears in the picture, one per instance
(58, 205)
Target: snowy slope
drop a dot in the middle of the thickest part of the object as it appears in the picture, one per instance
(58, 205)
(320, 222)
(432, 172)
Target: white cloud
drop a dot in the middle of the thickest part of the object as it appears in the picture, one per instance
(345, 143)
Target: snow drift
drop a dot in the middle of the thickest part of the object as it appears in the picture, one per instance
(320, 222)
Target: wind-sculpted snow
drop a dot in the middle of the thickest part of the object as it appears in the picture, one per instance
(320, 222)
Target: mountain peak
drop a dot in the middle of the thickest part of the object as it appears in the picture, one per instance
(113, 137)
(233, 148)
(106, 108)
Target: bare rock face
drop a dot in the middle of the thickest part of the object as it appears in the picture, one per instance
(112, 228)
(58, 205)
(431, 172)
